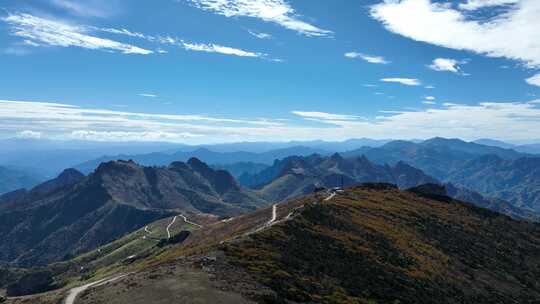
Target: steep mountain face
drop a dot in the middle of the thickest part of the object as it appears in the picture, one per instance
(119, 197)
(516, 181)
(13, 179)
(491, 203)
(296, 176)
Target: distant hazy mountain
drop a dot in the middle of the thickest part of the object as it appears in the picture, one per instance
(494, 143)
(117, 198)
(527, 148)
(208, 156)
(50, 157)
(241, 168)
(531, 148)
(331, 146)
(12, 179)
(294, 176)
(437, 157)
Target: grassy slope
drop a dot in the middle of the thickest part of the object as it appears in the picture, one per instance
(395, 247)
(364, 246)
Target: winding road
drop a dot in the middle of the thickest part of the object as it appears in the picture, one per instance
(169, 226)
(189, 222)
(330, 197)
(274, 215)
(74, 292)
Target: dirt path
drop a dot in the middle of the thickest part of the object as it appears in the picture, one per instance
(74, 292)
(330, 197)
(189, 222)
(274, 215)
(169, 226)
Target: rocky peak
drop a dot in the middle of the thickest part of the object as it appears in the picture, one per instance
(70, 175)
(199, 166)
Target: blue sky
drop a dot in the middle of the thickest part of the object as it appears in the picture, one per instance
(202, 71)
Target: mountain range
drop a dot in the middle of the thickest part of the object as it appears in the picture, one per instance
(372, 243)
(73, 214)
(208, 156)
(296, 175)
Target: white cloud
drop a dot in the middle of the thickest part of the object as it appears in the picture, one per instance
(447, 65)
(126, 32)
(48, 32)
(429, 87)
(147, 95)
(534, 80)
(512, 33)
(429, 102)
(472, 5)
(368, 58)
(274, 11)
(508, 121)
(325, 117)
(29, 134)
(60, 120)
(404, 81)
(260, 35)
(130, 136)
(215, 48)
(430, 98)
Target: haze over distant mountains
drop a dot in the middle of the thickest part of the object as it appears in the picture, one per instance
(461, 163)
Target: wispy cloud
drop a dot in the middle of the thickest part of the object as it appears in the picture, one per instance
(447, 65)
(534, 80)
(274, 11)
(404, 81)
(47, 32)
(368, 58)
(29, 134)
(260, 35)
(429, 102)
(430, 98)
(38, 31)
(509, 120)
(215, 48)
(326, 117)
(472, 5)
(511, 33)
(147, 95)
(429, 87)
(189, 46)
(65, 120)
